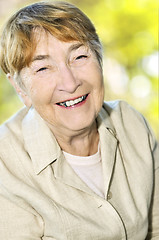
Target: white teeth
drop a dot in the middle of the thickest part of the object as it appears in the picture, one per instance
(72, 102)
(68, 104)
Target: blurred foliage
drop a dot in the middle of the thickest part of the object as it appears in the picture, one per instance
(129, 34)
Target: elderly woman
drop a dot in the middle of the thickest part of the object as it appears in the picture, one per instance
(71, 165)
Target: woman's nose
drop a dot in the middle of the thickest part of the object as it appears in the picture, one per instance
(68, 80)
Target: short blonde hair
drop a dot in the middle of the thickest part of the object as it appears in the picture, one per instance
(63, 20)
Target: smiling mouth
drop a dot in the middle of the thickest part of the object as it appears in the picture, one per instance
(71, 103)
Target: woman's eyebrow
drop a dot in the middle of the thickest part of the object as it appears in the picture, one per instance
(40, 57)
(75, 46)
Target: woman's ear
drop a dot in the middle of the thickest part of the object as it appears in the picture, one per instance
(21, 92)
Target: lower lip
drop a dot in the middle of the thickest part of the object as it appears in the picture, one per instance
(76, 105)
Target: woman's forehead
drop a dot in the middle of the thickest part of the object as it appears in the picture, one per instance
(45, 41)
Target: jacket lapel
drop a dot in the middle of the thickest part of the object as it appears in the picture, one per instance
(109, 143)
(108, 154)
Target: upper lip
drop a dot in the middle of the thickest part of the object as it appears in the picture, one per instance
(71, 98)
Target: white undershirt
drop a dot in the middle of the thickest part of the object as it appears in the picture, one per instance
(89, 169)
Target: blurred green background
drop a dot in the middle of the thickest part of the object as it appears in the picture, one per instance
(129, 34)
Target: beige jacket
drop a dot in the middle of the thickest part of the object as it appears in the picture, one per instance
(42, 198)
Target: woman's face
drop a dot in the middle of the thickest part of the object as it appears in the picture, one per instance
(64, 83)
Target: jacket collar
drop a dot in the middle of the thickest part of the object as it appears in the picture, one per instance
(41, 144)
(39, 141)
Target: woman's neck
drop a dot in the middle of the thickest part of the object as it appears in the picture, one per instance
(84, 143)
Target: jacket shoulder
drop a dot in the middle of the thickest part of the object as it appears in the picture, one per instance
(123, 113)
(131, 127)
(128, 122)
(12, 127)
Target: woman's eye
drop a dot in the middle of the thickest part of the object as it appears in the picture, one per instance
(79, 60)
(81, 56)
(42, 69)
